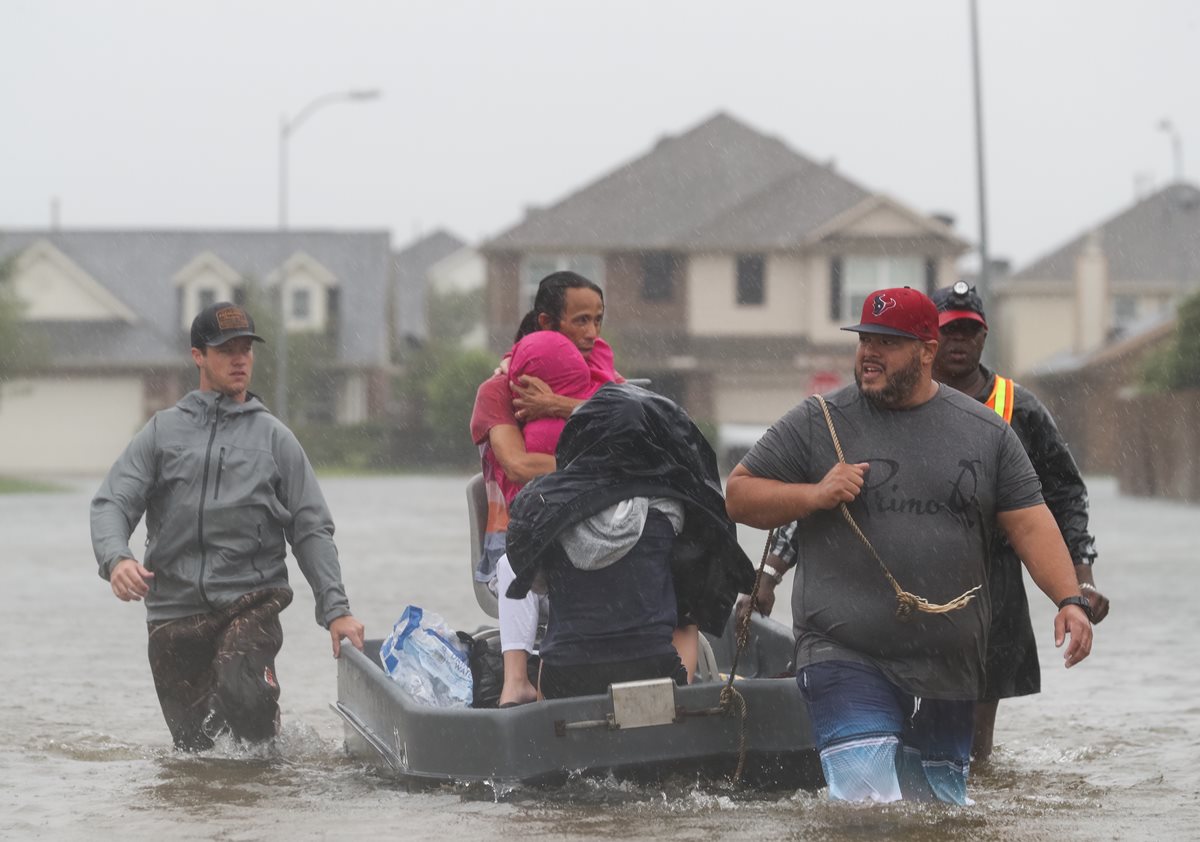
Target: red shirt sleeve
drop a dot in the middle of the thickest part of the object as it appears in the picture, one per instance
(493, 407)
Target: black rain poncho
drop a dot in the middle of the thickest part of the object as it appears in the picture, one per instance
(628, 442)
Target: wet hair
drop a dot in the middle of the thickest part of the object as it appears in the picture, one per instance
(529, 324)
(551, 299)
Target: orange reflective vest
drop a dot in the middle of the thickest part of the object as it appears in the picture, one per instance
(1001, 398)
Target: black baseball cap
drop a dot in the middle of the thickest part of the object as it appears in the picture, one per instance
(220, 322)
(960, 301)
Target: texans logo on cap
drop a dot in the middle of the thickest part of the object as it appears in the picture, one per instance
(882, 304)
(899, 311)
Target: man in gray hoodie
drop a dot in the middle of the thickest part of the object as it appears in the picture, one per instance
(222, 483)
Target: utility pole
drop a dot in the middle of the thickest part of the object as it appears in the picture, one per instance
(983, 287)
(286, 129)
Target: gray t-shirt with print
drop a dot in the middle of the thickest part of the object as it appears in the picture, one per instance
(939, 473)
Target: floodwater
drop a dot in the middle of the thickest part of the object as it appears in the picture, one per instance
(1109, 750)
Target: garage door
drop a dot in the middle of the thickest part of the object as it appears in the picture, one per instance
(67, 426)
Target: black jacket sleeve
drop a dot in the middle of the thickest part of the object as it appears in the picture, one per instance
(1062, 486)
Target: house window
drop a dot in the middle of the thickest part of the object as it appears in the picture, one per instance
(205, 297)
(1124, 310)
(301, 305)
(751, 280)
(658, 276)
(860, 276)
(534, 267)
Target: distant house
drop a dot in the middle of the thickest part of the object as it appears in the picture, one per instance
(1090, 291)
(1092, 395)
(110, 311)
(729, 263)
(410, 280)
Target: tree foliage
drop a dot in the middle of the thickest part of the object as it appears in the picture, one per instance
(452, 315)
(1176, 365)
(16, 349)
(311, 371)
(440, 379)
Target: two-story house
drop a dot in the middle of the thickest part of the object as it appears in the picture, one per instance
(1127, 271)
(729, 262)
(109, 314)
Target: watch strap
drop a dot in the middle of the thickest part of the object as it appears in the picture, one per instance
(1081, 601)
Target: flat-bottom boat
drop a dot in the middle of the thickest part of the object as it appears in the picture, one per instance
(641, 730)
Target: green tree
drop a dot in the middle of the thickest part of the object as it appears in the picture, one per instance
(439, 381)
(1177, 364)
(17, 345)
(452, 315)
(312, 360)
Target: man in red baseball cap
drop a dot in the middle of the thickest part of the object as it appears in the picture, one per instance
(890, 666)
(891, 369)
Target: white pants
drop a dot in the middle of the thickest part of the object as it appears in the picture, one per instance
(518, 617)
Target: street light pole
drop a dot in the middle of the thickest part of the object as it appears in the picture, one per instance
(982, 287)
(1176, 146)
(287, 128)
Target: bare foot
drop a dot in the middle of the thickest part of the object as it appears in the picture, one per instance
(517, 693)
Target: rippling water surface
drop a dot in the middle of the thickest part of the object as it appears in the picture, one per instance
(1109, 750)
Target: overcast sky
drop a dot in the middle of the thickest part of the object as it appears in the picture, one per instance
(166, 114)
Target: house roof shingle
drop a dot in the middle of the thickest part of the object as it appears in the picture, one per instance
(719, 185)
(139, 267)
(1157, 239)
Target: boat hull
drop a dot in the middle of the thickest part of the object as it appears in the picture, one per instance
(549, 740)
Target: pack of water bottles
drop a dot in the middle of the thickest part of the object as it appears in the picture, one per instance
(426, 658)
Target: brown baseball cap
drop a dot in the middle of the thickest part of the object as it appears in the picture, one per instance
(220, 322)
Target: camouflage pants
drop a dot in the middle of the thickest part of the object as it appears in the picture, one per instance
(216, 672)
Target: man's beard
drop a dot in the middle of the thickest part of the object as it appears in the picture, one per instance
(899, 386)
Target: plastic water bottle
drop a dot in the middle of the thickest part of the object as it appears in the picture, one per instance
(423, 655)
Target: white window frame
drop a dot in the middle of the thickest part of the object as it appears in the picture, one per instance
(536, 266)
(863, 274)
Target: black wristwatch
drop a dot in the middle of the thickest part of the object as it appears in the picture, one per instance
(1081, 601)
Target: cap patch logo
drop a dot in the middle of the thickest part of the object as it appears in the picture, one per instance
(881, 305)
(232, 318)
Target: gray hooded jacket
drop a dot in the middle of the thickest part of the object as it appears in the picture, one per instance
(222, 484)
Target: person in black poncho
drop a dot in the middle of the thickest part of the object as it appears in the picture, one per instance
(631, 539)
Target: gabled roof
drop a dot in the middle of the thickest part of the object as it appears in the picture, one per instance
(721, 185)
(139, 268)
(411, 267)
(1157, 239)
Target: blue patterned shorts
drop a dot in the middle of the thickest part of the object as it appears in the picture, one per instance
(879, 743)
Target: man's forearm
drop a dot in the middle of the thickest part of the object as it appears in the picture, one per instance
(558, 406)
(767, 503)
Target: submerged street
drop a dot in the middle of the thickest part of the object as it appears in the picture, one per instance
(1108, 750)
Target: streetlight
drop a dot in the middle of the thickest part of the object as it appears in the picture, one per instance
(287, 128)
(1176, 146)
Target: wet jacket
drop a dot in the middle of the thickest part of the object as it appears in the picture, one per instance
(222, 484)
(628, 442)
(1062, 486)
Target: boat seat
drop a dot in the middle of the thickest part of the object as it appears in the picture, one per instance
(477, 511)
(706, 661)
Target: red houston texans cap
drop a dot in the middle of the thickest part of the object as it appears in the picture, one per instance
(900, 311)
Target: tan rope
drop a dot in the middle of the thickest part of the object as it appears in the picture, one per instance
(730, 697)
(906, 603)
